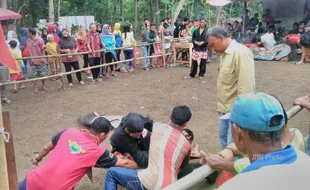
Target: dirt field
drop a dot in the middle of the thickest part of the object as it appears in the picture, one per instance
(35, 118)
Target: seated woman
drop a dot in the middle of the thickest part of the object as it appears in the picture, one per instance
(132, 138)
(267, 50)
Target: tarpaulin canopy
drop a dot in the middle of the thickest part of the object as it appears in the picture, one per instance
(6, 14)
(223, 2)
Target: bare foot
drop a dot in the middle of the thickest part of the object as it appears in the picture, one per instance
(299, 63)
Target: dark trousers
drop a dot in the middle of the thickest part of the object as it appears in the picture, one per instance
(75, 65)
(118, 54)
(94, 62)
(128, 55)
(85, 58)
(211, 179)
(108, 59)
(202, 68)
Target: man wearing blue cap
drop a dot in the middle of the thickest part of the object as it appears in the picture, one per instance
(257, 120)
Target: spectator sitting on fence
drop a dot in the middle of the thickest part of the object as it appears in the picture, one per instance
(258, 134)
(132, 138)
(16, 75)
(169, 152)
(74, 152)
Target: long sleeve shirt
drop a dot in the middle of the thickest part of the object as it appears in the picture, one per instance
(148, 36)
(236, 75)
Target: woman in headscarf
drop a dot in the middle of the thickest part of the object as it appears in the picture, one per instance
(12, 36)
(23, 47)
(82, 46)
(44, 36)
(52, 29)
(108, 40)
(118, 40)
(67, 45)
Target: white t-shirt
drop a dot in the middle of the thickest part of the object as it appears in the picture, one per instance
(128, 40)
(269, 40)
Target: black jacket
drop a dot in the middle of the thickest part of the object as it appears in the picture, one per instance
(137, 148)
(200, 38)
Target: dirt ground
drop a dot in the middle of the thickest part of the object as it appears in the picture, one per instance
(35, 118)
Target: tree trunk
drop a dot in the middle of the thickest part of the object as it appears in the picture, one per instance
(153, 19)
(178, 10)
(158, 11)
(4, 4)
(51, 13)
(114, 11)
(166, 10)
(218, 15)
(122, 9)
(59, 7)
(136, 15)
(22, 12)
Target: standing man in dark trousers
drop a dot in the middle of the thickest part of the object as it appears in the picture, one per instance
(200, 51)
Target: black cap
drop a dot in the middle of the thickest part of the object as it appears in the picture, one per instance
(133, 122)
(13, 43)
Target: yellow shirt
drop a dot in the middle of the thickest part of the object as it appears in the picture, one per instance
(236, 75)
(16, 54)
(51, 49)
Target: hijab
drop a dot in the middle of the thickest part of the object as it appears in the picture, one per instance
(23, 35)
(67, 42)
(117, 29)
(82, 36)
(52, 28)
(99, 31)
(106, 34)
(12, 36)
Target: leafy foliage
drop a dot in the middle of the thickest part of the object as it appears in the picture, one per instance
(103, 10)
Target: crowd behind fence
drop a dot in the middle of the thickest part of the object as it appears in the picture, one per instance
(93, 67)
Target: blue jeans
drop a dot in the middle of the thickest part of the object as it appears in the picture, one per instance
(308, 143)
(128, 55)
(22, 185)
(146, 52)
(225, 132)
(125, 177)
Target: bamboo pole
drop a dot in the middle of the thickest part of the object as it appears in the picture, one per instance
(10, 155)
(204, 171)
(4, 180)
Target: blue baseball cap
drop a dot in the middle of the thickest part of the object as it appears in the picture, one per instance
(254, 111)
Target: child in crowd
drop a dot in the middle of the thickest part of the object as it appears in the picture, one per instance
(51, 49)
(16, 75)
(158, 51)
(167, 43)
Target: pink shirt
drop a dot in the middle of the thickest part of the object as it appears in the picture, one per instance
(75, 152)
(36, 48)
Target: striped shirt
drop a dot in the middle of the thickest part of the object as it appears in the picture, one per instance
(168, 149)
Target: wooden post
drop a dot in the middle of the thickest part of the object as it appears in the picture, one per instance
(4, 181)
(134, 57)
(244, 17)
(163, 48)
(10, 155)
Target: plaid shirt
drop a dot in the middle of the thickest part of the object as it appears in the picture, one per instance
(95, 43)
(36, 48)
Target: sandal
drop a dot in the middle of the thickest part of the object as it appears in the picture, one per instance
(36, 91)
(70, 85)
(114, 74)
(15, 90)
(82, 82)
(44, 89)
(298, 63)
(22, 87)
